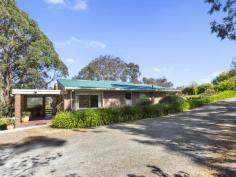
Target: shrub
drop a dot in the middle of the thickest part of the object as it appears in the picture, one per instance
(65, 120)
(206, 89)
(177, 103)
(26, 113)
(198, 101)
(202, 100)
(144, 101)
(190, 90)
(92, 118)
(171, 99)
(3, 123)
(10, 121)
(229, 84)
(3, 109)
(105, 116)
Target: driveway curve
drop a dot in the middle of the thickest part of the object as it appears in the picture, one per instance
(201, 142)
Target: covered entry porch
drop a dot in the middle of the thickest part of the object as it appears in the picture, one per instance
(42, 104)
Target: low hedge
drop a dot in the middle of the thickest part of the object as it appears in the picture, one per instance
(202, 100)
(105, 116)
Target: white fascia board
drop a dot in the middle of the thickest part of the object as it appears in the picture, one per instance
(117, 89)
(36, 92)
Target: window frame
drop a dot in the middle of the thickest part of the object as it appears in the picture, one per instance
(77, 106)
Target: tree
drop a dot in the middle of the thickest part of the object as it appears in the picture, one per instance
(108, 67)
(191, 90)
(224, 76)
(205, 88)
(159, 81)
(27, 57)
(226, 27)
(133, 72)
(233, 64)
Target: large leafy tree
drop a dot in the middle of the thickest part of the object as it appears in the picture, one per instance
(109, 68)
(158, 81)
(133, 72)
(27, 57)
(224, 27)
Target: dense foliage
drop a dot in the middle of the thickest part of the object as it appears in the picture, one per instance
(229, 84)
(3, 123)
(158, 81)
(202, 100)
(206, 89)
(105, 116)
(109, 68)
(190, 90)
(224, 81)
(171, 99)
(27, 56)
(224, 26)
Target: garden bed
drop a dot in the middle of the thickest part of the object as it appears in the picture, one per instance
(105, 116)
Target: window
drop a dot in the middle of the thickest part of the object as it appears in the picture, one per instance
(94, 101)
(88, 101)
(128, 96)
(83, 101)
(34, 102)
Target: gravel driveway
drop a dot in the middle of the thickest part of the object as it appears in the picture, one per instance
(201, 142)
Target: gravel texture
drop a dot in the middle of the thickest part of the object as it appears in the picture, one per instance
(201, 142)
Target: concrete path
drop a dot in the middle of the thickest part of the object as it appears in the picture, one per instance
(201, 142)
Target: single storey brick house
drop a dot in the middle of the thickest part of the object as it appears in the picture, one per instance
(82, 94)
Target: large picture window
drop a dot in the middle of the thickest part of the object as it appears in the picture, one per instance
(83, 101)
(93, 101)
(87, 101)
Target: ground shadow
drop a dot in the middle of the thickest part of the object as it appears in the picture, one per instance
(206, 134)
(160, 173)
(17, 159)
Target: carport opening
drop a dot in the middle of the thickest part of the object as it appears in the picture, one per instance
(42, 104)
(40, 107)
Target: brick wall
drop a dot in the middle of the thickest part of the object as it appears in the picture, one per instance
(113, 98)
(117, 98)
(67, 101)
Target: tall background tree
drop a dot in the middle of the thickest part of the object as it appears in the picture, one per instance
(158, 81)
(108, 67)
(27, 57)
(133, 72)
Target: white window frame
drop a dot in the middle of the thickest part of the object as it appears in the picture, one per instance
(89, 94)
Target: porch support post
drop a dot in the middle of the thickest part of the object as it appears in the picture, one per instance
(44, 99)
(18, 109)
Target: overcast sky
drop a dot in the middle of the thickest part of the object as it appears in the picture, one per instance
(169, 38)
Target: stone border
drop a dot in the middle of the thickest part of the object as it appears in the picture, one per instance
(23, 128)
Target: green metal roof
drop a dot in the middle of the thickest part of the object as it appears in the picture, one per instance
(108, 85)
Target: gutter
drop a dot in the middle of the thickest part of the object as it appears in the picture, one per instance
(118, 89)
